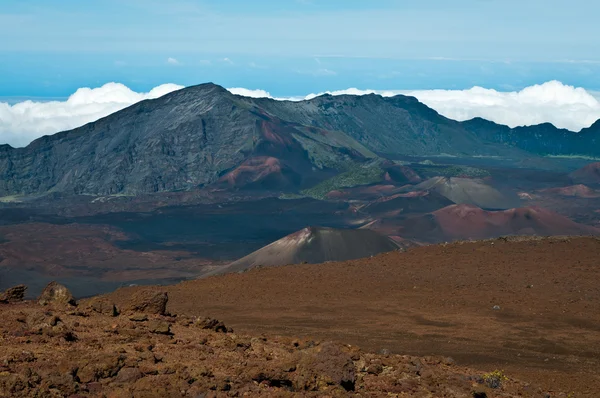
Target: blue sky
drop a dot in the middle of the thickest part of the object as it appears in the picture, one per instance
(294, 47)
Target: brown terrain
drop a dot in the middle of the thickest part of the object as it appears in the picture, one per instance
(56, 347)
(527, 306)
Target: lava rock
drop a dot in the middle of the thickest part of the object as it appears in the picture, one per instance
(103, 306)
(149, 301)
(14, 294)
(159, 327)
(56, 294)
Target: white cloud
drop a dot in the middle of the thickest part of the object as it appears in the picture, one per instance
(173, 61)
(564, 106)
(25, 121)
(250, 93)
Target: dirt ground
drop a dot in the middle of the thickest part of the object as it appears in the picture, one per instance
(527, 306)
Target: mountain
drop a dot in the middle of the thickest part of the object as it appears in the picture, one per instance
(589, 174)
(204, 134)
(467, 191)
(316, 245)
(458, 222)
(542, 139)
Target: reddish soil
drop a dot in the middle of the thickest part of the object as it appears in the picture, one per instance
(262, 171)
(579, 190)
(525, 305)
(459, 222)
(407, 203)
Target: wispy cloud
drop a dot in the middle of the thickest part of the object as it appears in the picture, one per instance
(173, 61)
(317, 72)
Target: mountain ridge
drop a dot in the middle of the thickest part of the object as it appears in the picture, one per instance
(191, 138)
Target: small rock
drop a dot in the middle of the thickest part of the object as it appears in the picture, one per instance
(385, 352)
(149, 301)
(213, 324)
(103, 306)
(159, 327)
(94, 387)
(374, 369)
(128, 375)
(14, 294)
(496, 308)
(138, 318)
(55, 293)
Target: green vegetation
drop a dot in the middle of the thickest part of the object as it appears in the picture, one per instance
(355, 176)
(290, 196)
(10, 199)
(494, 379)
(451, 171)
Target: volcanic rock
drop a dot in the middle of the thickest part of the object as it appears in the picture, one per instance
(56, 294)
(104, 306)
(13, 294)
(149, 301)
(159, 327)
(213, 324)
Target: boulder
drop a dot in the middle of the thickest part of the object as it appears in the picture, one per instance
(14, 294)
(149, 301)
(102, 305)
(213, 324)
(326, 366)
(159, 327)
(56, 294)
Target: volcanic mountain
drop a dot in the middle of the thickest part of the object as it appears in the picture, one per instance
(579, 190)
(458, 222)
(589, 174)
(468, 191)
(203, 135)
(315, 245)
(406, 203)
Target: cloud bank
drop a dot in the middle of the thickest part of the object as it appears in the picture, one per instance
(25, 121)
(562, 105)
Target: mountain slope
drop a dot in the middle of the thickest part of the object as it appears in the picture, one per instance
(184, 140)
(386, 125)
(543, 139)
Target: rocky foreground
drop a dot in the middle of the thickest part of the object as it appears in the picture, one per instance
(56, 347)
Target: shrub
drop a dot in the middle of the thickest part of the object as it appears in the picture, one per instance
(494, 379)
